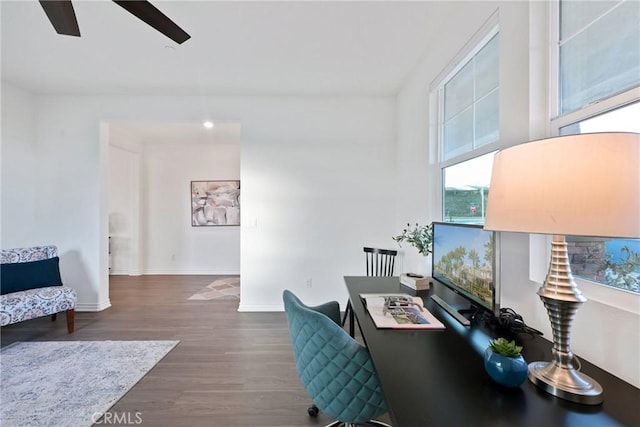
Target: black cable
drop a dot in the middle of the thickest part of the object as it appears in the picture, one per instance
(508, 320)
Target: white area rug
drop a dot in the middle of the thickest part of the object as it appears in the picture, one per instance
(71, 383)
(222, 288)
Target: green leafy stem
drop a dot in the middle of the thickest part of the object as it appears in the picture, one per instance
(420, 237)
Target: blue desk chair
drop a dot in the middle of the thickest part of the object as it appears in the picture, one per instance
(336, 370)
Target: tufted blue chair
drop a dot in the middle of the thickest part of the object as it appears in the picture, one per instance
(336, 370)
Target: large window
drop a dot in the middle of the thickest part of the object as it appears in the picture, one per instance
(599, 51)
(598, 91)
(466, 189)
(469, 129)
(471, 103)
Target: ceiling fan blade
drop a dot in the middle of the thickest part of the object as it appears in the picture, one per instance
(158, 20)
(62, 16)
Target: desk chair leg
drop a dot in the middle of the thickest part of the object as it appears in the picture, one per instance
(349, 312)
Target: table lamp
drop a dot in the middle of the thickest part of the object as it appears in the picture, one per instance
(586, 185)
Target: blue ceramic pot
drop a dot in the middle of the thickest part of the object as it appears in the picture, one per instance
(508, 371)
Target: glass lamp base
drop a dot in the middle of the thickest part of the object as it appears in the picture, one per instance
(565, 383)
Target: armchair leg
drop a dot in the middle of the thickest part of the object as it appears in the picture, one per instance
(71, 315)
(54, 316)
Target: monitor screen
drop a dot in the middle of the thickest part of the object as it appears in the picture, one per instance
(464, 260)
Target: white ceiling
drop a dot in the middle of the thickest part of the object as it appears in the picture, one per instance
(236, 48)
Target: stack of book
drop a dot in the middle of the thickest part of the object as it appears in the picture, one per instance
(415, 281)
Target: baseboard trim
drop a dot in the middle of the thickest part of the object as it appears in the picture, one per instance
(124, 273)
(93, 307)
(191, 273)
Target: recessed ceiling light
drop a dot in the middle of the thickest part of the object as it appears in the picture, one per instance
(208, 124)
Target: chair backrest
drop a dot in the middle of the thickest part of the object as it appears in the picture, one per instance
(28, 254)
(380, 262)
(335, 369)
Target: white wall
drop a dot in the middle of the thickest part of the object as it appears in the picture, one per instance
(598, 327)
(317, 185)
(31, 198)
(320, 178)
(171, 244)
(19, 176)
(49, 197)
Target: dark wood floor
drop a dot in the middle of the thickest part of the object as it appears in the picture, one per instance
(230, 369)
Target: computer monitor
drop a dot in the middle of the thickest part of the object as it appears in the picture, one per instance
(464, 259)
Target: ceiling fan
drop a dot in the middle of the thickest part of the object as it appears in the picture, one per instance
(63, 18)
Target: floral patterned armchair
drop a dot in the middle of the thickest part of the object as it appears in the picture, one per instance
(42, 299)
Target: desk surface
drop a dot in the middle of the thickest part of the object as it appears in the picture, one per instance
(437, 378)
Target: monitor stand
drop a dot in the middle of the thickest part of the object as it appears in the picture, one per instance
(452, 311)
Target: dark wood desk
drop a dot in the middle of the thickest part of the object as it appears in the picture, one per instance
(437, 378)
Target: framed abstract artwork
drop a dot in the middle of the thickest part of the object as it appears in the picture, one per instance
(215, 203)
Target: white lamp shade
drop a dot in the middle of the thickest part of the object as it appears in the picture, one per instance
(587, 184)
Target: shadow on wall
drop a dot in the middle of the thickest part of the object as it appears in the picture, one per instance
(73, 272)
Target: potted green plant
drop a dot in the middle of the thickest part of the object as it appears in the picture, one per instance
(420, 237)
(504, 363)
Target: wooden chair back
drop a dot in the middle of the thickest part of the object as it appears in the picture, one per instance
(380, 262)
